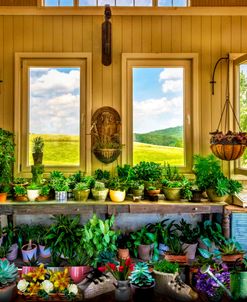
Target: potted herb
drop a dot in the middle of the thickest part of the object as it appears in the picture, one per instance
(60, 184)
(144, 244)
(10, 241)
(210, 178)
(117, 189)
(153, 188)
(33, 191)
(147, 171)
(176, 251)
(97, 236)
(20, 193)
(137, 188)
(230, 250)
(37, 151)
(44, 193)
(189, 236)
(81, 191)
(8, 277)
(7, 158)
(99, 191)
(172, 189)
(142, 282)
(168, 282)
(27, 234)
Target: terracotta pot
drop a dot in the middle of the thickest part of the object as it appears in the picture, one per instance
(144, 251)
(21, 198)
(227, 152)
(13, 252)
(141, 294)
(79, 273)
(232, 258)
(29, 254)
(176, 258)
(3, 197)
(81, 195)
(100, 195)
(123, 253)
(42, 198)
(172, 194)
(7, 293)
(117, 196)
(153, 192)
(214, 197)
(44, 252)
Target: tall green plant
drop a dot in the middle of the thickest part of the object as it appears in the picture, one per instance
(7, 158)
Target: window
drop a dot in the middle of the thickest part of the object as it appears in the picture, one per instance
(240, 77)
(52, 104)
(157, 108)
(133, 3)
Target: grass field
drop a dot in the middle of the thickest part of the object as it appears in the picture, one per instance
(160, 154)
(64, 150)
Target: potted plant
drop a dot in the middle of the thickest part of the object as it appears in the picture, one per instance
(97, 236)
(142, 282)
(7, 158)
(41, 231)
(210, 178)
(230, 250)
(20, 193)
(147, 171)
(29, 266)
(145, 244)
(176, 251)
(27, 233)
(117, 189)
(123, 244)
(33, 191)
(8, 277)
(64, 235)
(238, 277)
(79, 265)
(152, 188)
(81, 191)
(44, 193)
(228, 146)
(60, 184)
(121, 273)
(172, 189)
(137, 189)
(99, 191)
(168, 282)
(37, 151)
(189, 236)
(42, 283)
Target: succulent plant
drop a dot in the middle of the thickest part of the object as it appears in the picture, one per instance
(8, 273)
(141, 276)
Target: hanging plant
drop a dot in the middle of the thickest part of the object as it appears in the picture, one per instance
(227, 145)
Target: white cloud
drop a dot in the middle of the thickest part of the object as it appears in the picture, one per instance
(171, 80)
(174, 86)
(153, 114)
(171, 73)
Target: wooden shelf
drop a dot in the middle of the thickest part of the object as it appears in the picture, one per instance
(108, 207)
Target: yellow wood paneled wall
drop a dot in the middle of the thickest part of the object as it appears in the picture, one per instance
(218, 3)
(210, 37)
(18, 2)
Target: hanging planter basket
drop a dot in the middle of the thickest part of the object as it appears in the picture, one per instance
(229, 145)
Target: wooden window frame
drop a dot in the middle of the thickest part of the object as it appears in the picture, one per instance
(191, 112)
(21, 114)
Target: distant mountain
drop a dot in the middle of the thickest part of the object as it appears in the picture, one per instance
(172, 137)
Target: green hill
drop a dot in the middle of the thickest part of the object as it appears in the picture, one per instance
(172, 137)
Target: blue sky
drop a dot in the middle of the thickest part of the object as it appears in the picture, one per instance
(157, 98)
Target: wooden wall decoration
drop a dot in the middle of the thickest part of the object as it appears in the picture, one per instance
(106, 127)
(106, 37)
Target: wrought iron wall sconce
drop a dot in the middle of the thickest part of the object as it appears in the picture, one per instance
(212, 82)
(106, 37)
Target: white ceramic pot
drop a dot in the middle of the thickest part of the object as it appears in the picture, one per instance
(32, 194)
(117, 196)
(61, 196)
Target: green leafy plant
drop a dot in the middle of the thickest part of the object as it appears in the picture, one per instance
(32, 262)
(7, 158)
(97, 236)
(10, 235)
(147, 171)
(79, 259)
(117, 184)
(159, 229)
(141, 276)
(38, 144)
(211, 231)
(64, 235)
(188, 233)
(58, 181)
(165, 266)
(125, 173)
(20, 190)
(102, 175)
(45, 190)
(175, 245)
(230, 247)
(8, 273)
(33, 186)
(20, 181)
(99, 186)
(209, 176)
(136, 184)
(105, 257)
(171, 173)
(81, 186)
